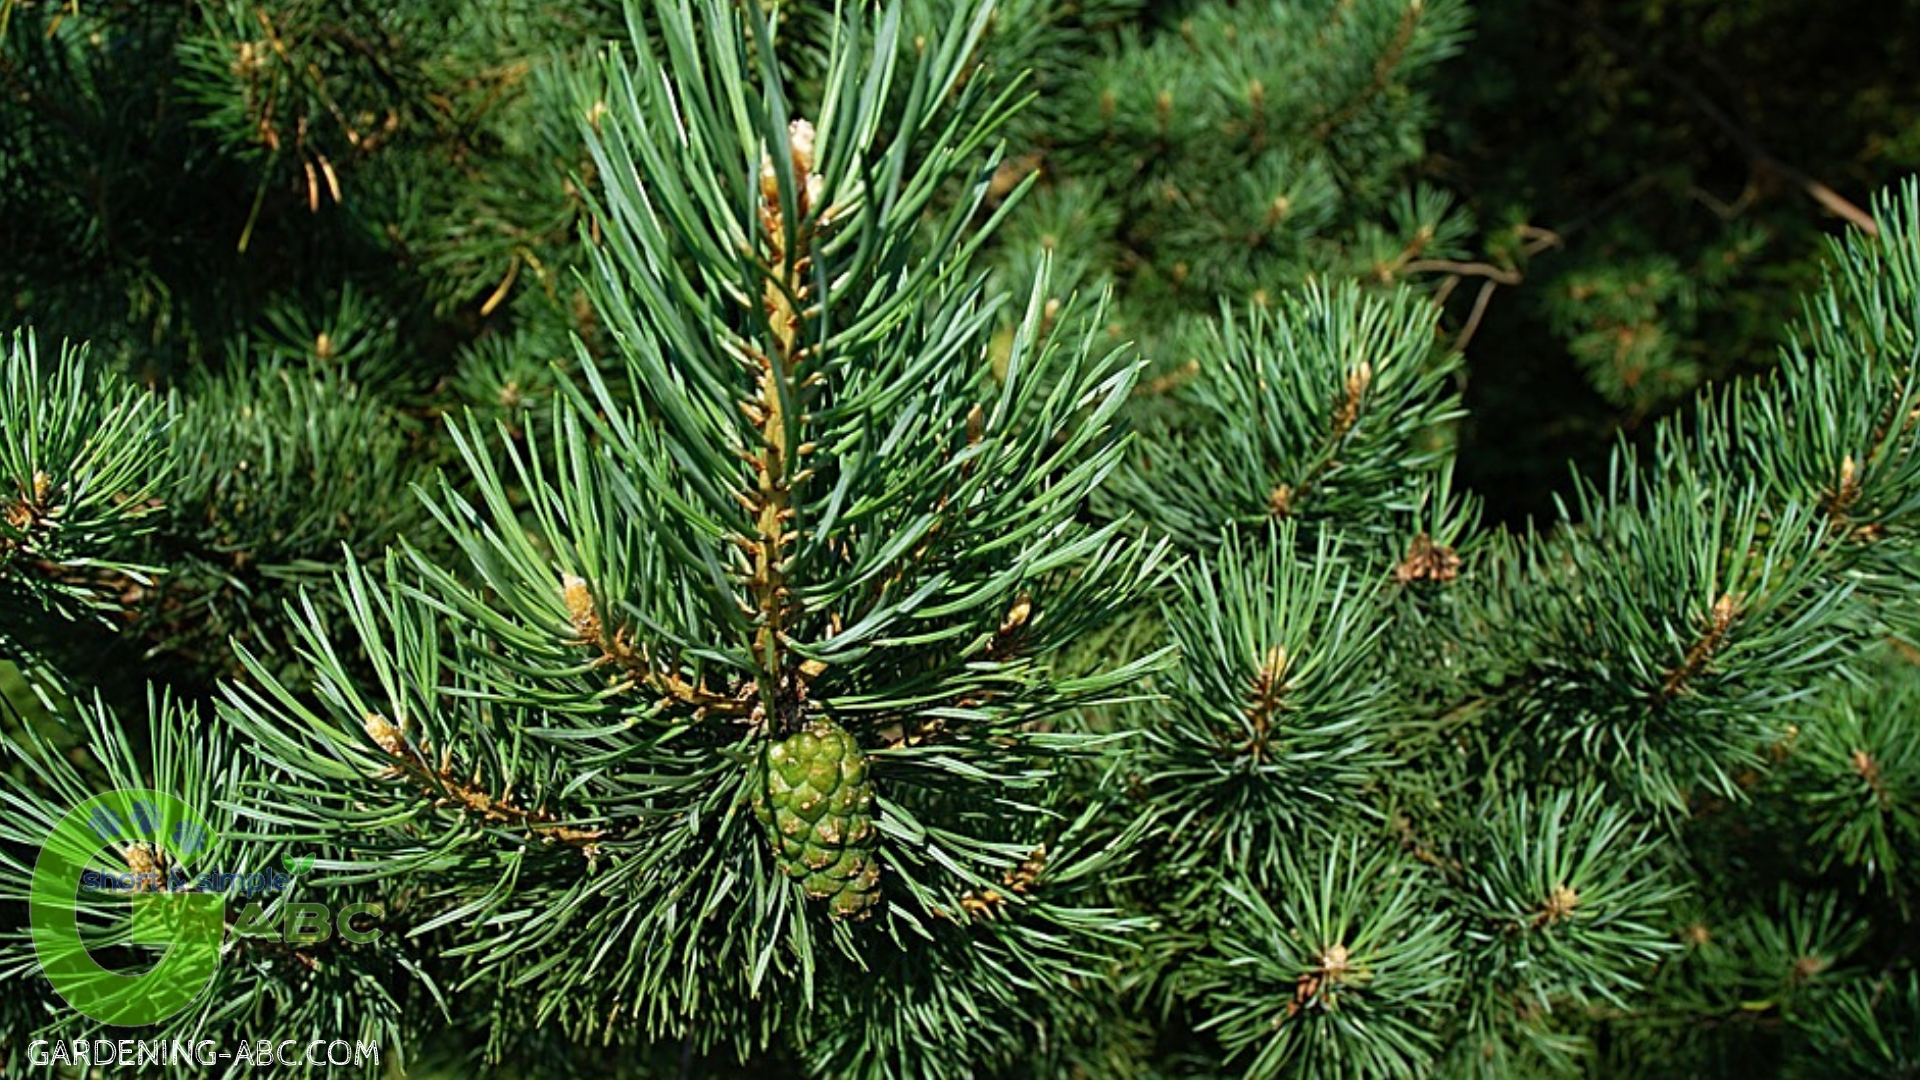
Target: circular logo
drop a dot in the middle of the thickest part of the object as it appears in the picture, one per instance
(149, 833)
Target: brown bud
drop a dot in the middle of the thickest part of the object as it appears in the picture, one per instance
(1281, 500)
(1558, 905)
(142, 859)
(579, 599)
(1017, 615)
(385, 735)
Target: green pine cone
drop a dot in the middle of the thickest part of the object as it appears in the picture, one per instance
(815, 802)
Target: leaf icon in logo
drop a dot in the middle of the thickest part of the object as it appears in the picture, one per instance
(298, 866)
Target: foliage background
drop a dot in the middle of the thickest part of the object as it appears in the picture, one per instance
(1663, 144)
(317, 230)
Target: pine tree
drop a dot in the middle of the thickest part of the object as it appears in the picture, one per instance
(825, 601)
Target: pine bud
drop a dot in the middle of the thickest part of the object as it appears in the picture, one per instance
(384, 734)
(144, 861)
(800, 139)
(1017, 615)
(1558, 906)
(579, 600)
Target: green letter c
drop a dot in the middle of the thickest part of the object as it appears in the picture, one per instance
(188, 924)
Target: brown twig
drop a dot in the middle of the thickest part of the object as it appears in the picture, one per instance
(1758, 156)
(1269, 687)
(1719, 621)
(410, 760)
(617, 648)
(1285, 498)
(1465, 269)
(1479, 312)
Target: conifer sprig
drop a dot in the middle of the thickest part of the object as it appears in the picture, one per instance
(1331, 407)
(1274, 718)
(1341, 974)
(81, 468)
(800, 514)
(277, 985)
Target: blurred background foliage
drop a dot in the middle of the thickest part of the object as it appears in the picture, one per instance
(1683, 160)
(314, 227)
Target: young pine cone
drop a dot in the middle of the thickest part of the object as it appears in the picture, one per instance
(815, 800)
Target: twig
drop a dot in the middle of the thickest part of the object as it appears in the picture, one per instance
(1757, 155)
(1382, 75)
(1465, 269)
(1473, 320)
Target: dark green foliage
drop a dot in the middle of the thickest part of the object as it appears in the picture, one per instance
(1677, 165)
(1857, 773)
(649, 497)
(1202, 152)
(82, 463)
(1651, 686)
(282, 466)
(1866, 1030)
(1344, 979)
(1265, 735)
(1329, 408)
(348, 202)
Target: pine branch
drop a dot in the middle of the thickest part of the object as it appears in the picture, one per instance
(81, 470)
